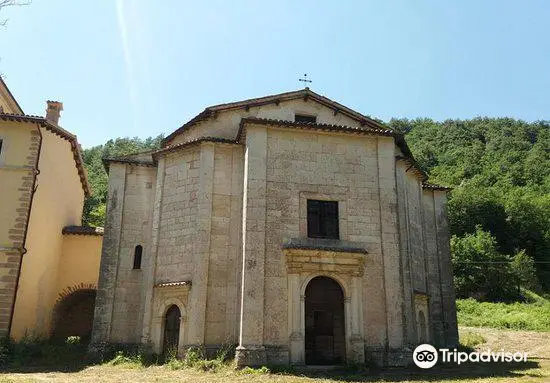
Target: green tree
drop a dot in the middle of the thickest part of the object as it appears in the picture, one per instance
(523, 268)
(500, 171)
(94, 206)
(470, 207)
(479, 269)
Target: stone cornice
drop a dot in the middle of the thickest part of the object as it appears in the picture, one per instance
(174, 284)
(324, 244)
(325, 260)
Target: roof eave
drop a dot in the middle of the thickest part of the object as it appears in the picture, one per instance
(398, 137)
(83, 230)
(428, 186)
(107, 161)
(57, 130)
(13, 99)
(277, 98)
(196, 141)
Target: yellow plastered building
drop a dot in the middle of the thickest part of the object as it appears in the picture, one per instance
(49, 263)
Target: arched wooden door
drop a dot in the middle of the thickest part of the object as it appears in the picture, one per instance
(324, 322)
(171, 330)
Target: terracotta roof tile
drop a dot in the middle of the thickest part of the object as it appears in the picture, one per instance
(108, 160)
(82, 230)
(276, 98)
(316, 126)
(399, 138)
(435, 187)
(181, 145)
(75, 147)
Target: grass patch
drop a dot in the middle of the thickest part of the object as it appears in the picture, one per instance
(255, 371)
(471, 339)
(130, 365)
(195, 357)
(532, 316)
(127, 361)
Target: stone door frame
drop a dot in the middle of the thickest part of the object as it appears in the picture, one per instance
(347, 310)
(350, 279)
(159, 322)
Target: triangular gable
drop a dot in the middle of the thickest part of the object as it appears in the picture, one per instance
(59, 131)
(305, 94)
(7, 101)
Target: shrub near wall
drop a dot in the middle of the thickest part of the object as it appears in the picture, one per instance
(41, 352)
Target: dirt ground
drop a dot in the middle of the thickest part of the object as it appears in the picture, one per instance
(536, 369)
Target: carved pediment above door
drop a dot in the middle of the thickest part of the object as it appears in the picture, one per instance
(324, 256)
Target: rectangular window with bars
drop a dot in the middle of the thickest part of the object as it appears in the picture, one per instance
(322, 219)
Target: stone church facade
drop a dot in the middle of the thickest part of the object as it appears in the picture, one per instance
(291, 226)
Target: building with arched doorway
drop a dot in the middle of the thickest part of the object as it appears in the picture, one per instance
(290, 225)
(49, 264)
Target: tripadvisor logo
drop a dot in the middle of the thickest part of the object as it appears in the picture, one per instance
(426, 356)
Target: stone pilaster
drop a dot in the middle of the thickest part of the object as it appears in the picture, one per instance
(433, 269)
(356, 338)
(251, 350)
(151, 262)
(109, 255)
(390, 241)
(199, 291)
(10, 260)
(406, 263)
(296, 334)
(235, 244)
(444, 254)
(12, 255)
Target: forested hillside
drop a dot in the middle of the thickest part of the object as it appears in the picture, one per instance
(500, 171)
(94, 206)
(499, 210)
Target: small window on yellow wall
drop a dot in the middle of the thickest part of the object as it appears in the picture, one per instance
(1, 142)
(137, 257)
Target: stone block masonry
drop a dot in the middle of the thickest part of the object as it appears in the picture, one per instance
(225, 223)
(23, 177)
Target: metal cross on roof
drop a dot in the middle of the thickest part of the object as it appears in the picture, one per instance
(304, 80)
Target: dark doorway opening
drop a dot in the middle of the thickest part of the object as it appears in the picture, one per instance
(325, 324)
(74, 315)
(171, 331)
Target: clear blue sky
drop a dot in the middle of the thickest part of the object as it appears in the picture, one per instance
(143, 67)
